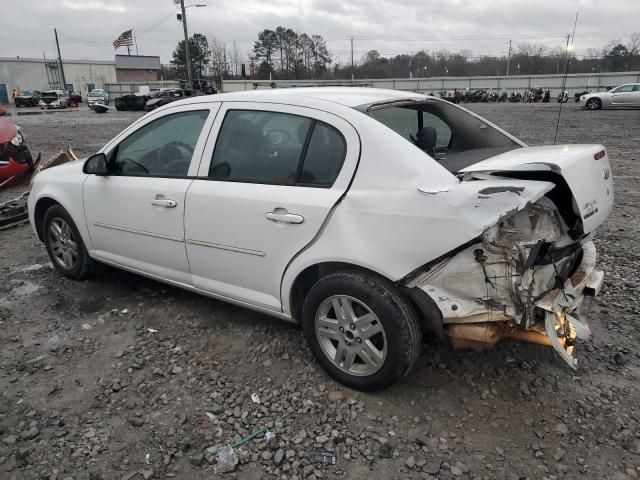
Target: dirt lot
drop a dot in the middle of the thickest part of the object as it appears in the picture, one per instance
(120, 377)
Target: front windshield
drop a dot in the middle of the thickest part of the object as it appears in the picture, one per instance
(49, 95)
(27, 93)
(95, 94)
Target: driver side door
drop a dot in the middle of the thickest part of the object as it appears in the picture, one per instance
(135, 214)
(622, 95)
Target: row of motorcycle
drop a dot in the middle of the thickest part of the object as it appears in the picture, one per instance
(531, 95)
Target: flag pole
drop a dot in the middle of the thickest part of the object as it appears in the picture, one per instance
(135, 39)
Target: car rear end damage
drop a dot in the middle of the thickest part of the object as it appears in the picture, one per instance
(526, 277)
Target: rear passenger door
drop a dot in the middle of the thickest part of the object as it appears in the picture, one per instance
(269, 177)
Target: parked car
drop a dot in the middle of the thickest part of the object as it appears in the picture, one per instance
(134, 101)
(53, 99)
(73, 99)
(164, 97)
(207, 87)
(97, 95)
(28, 98)
(627, 95)
(16, 161)
(369, 216)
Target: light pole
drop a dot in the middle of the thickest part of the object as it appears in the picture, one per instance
(186, 38)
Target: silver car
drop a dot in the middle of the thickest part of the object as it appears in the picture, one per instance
(627, 95)
(97, 95)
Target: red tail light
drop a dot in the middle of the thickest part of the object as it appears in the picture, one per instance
(599, 155)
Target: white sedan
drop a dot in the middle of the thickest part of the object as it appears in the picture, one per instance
(371, 217)
(627, 95)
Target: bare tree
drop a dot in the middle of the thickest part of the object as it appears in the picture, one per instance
(634, 44)
(235, 58)
(218, 59)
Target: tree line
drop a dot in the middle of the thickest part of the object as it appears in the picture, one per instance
(526, 59)
(283, 53)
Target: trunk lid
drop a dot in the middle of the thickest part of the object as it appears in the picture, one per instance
(585, 168)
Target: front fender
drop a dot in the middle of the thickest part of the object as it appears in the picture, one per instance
(62, 185)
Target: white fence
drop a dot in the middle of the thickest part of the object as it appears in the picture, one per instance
(575, 82)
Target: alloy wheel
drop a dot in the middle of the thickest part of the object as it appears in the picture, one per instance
(62, 241)
(351, 335)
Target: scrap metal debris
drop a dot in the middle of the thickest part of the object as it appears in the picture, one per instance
(14, 212)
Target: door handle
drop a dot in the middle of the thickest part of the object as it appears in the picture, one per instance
(164, 202)
(284, 217)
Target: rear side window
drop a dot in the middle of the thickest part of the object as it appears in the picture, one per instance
(276, 148)
(325, 156)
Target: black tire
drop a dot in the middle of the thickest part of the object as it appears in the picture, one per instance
(83, 265)
(594, 104)
(402, 336)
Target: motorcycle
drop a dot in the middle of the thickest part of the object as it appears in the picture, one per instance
(503, 96)
(563, 97)
(515, 97)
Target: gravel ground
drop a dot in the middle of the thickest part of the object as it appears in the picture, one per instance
(120, 377)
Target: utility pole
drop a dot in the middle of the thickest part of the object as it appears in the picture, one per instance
(64, 81)
(186, 44)
(352, 71)
(509, 58)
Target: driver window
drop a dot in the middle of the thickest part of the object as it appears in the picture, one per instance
(162, 148)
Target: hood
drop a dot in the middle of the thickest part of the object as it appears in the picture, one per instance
(65, 169)
(587, 96)
(7, 130)
(585, 169)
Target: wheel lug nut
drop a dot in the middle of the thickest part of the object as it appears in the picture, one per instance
(359, 340)
(348, 344)
(352, 326)
(342, 329)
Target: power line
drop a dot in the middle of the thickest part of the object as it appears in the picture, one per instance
(140, 33)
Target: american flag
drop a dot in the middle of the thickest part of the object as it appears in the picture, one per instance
(124, 40)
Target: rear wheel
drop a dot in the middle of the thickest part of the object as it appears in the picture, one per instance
(64, 244)
(594, 104)
(361, 330)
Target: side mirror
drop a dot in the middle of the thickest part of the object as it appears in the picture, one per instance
(96, 165)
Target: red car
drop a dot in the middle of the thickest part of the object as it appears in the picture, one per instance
(16, 163)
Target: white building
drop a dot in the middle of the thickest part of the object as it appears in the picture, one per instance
(44, 74)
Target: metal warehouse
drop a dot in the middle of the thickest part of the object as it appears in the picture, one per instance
(80, 76)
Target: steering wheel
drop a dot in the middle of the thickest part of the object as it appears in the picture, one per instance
(137, 164)
(177, 153)
(278, 137)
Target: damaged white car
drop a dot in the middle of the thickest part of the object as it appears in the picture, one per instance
(369, 216)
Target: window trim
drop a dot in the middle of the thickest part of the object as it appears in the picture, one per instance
(301, 159)
(112, 155)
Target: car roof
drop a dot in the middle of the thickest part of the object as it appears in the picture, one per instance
(347, 96)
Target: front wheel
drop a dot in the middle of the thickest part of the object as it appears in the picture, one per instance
(64, 244)
(362, 331)
(594, 104)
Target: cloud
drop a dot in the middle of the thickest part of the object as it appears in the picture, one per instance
(87, 27)
(93, 5)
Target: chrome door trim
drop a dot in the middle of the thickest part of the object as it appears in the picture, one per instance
(138, 232)
(230, 248)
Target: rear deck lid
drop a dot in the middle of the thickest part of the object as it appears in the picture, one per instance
(585, 168)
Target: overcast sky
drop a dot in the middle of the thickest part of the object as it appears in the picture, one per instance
(87, 27)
